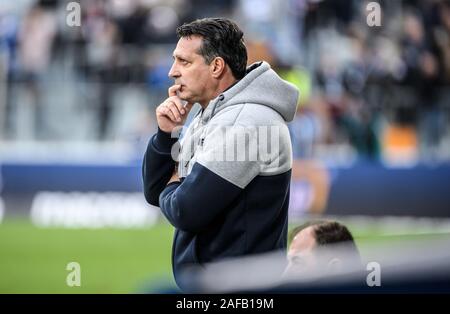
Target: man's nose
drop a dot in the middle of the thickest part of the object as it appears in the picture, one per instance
(173, 73)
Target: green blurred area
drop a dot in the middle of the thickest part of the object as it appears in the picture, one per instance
(34, 260)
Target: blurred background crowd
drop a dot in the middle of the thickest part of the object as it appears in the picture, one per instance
(367, 92)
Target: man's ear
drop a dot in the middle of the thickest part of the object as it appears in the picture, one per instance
(334, 265)
(217, 67)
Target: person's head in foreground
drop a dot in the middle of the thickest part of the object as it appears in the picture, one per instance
(321, 248)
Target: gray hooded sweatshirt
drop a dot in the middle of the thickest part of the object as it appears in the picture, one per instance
(235, 167)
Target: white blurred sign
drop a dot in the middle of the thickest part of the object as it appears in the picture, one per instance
(92, 210)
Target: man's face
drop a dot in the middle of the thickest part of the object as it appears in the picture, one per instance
(301, 257)
(191, 72)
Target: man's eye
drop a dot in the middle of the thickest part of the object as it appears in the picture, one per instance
(183, 62)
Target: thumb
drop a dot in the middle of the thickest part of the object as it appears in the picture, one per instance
(173, 90)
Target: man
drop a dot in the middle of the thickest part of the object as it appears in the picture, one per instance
(321, 248)
(221, 205)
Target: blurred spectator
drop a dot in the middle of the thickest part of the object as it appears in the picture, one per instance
(8, 44)
(102, 36)
(371, 86)
(422, 76)
(35, 39)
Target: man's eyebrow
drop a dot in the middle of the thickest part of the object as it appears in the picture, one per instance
(177, 56)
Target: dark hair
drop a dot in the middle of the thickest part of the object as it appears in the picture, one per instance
(325, 232)
(331, 232)
(220, 38)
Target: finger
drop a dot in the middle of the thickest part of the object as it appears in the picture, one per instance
(161, 110)
(165, 111)
(173, 90)
(173, 107)
(177, 101)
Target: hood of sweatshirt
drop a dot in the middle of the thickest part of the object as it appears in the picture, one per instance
(261, 85)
